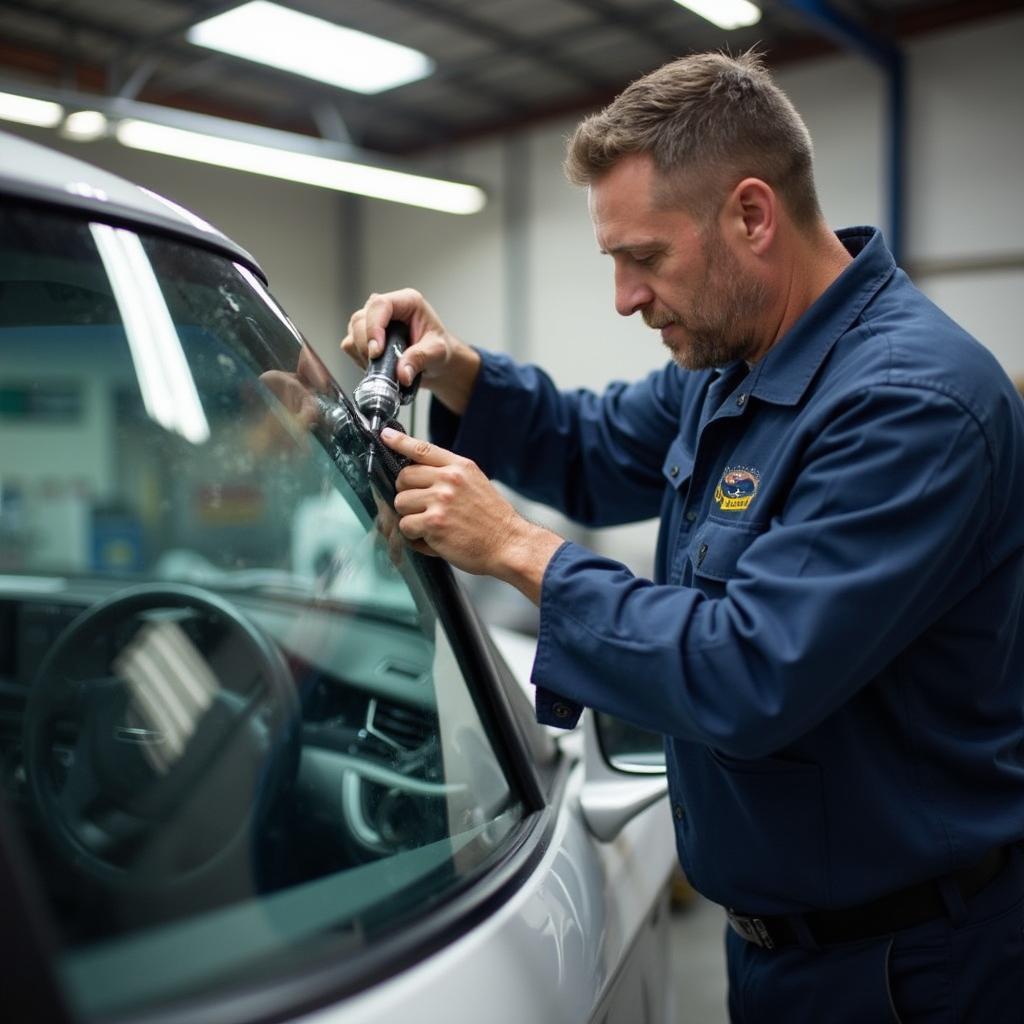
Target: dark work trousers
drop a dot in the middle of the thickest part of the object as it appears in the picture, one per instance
(967, 968)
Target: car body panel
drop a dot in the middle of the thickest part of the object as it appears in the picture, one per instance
(61, 180)
(536, 959)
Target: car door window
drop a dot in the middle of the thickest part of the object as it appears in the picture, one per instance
(236, 731)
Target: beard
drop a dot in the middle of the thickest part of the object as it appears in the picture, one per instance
(719, 321)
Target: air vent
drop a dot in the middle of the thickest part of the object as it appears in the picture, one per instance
(399, 725)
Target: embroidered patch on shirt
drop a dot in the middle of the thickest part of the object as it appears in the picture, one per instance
(736, 489)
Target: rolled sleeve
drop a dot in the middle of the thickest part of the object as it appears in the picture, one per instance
(552, 708)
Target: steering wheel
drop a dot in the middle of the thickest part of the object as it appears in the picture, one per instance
(158, 733)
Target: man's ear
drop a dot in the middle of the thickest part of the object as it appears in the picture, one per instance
(751, 212)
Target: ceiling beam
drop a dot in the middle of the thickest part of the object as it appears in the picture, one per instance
(539, 49)
(466, 73)
(135, 54)
(636, 23)
(305, 92)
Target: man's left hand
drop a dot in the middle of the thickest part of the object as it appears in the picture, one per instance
(447, 503)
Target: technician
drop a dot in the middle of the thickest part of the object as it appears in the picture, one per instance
(832, 643)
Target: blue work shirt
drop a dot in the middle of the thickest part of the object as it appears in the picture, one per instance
(832, 643)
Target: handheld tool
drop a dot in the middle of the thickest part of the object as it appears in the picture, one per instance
(379, 395)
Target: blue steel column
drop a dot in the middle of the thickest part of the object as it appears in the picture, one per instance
(851, 36)
(897, 154)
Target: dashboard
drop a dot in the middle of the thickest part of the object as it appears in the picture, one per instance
(364, 769)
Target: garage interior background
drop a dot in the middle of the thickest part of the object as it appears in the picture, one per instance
(524, 275)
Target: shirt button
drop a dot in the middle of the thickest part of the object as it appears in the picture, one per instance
(677, 811)
(674, 471)
(561, 710)
(691, 516)
(741, 400)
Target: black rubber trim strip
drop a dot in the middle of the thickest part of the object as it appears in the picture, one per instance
(16, 193)
(28, 946)
(508, 738)
(323, 985)
(471, 649)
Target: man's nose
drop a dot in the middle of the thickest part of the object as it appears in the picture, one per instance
(631, 294)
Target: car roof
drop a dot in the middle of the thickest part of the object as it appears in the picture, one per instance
(34, 172)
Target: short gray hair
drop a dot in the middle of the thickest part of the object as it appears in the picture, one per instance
(707, 121)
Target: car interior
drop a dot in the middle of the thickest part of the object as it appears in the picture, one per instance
(233, 717)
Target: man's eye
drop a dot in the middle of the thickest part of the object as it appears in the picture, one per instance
(644, 260)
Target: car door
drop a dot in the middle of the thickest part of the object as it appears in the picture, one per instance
(260, 762)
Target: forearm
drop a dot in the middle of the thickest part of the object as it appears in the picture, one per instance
(454, 386)
(525, 557)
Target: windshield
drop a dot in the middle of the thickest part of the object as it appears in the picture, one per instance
(161, 419)
(235, 721)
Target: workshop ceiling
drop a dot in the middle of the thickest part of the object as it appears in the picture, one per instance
(500, 64)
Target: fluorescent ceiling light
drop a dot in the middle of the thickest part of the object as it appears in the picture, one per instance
(271, 34)
(341, 175)
(23, 110)
(85, 126)
(168, 390)
(725, 13)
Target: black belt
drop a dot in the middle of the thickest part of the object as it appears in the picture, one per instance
(904, 908)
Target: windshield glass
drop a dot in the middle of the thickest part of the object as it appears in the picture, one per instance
(235, 725)
(161, 420)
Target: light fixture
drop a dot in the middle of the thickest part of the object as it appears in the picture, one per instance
(165, 381)
(305, 45)
(725, 14)
(85, 126)
(306, 168)
(24, 110)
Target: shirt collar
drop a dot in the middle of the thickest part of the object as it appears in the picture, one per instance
(783, 375)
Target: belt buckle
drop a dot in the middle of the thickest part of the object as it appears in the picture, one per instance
(753, 929)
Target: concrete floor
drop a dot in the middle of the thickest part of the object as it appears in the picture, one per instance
(698, 952)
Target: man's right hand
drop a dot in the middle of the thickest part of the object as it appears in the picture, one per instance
(447, 366)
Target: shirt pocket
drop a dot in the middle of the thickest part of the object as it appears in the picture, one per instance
(765, 831)
(717, 547)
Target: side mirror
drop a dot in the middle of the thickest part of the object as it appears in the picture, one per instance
(628, 748)
(610, 797)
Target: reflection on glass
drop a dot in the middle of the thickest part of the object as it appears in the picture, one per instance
(238, 730)
(171, 687)
(168, 391)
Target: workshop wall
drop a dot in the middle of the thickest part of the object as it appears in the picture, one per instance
(965, 148)
(965, 209)
(964, 244)
(966, 219)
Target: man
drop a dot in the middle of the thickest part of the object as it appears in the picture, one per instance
(832, 643)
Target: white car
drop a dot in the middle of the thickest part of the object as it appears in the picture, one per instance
(258, 762)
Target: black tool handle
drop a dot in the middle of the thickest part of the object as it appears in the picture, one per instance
(396, 341)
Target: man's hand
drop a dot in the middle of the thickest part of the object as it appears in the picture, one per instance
(387, 527)
(445, 365)
(447, 504)
(297, 393)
